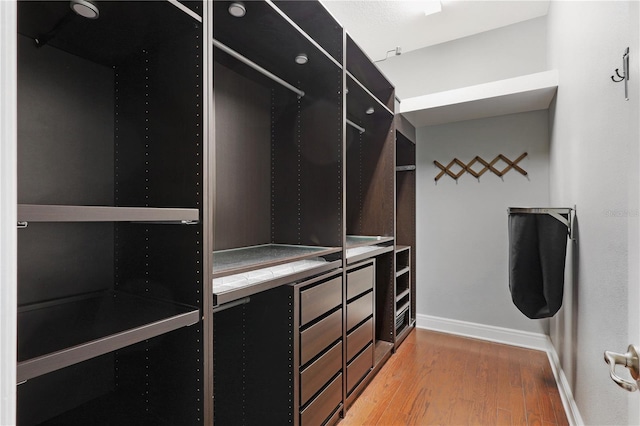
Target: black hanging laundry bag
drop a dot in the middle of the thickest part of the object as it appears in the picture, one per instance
(537, 251)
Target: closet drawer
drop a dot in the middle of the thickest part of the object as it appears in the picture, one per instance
(320, 299)
(359, 309)
(359, 281)
(324, 404)
(359, 338)
(316, 338)
(359, 368)
(315, 376)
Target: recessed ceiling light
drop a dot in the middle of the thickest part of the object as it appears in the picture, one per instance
(302, 59)
(370, 110)
(85, 8)
(237, 9)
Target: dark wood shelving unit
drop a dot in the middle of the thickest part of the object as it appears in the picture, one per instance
(405, 226)
(202, 194)
(111, 149)
(370, 177)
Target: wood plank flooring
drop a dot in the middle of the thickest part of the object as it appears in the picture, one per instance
(441, 379)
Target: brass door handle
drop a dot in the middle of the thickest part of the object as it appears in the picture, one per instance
(630, 361)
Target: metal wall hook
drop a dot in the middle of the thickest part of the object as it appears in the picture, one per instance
(621, 77)
(625, 73)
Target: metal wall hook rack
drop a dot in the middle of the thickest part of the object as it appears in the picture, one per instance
(555, 212)
(625, 73)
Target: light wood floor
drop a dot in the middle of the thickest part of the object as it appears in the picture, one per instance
(440, 379)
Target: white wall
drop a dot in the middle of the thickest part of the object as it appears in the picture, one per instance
(8, 191)
(506, 52)
(594, 165)
(462, 234)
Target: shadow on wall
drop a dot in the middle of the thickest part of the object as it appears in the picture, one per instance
(564, 326)
(575, 292)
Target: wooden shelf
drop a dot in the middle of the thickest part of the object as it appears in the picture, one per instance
(246, 259)
(403, 271)
(520, 94)
(56, 334)
(241, 272)
(401, 295)
(60, 213)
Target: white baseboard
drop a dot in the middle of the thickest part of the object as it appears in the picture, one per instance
(491, 333)
(512, 337)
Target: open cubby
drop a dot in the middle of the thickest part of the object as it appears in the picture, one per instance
(370, 173)
(110, 177)
(406, 206)
(278, 154)
(318, 23)
(263, 344)
(362, 69)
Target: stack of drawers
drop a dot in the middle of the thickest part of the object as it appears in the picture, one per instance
(360, 323)
(320, 351)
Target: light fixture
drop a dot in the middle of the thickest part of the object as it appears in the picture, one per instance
(370, 110)
(85, 8)
(237, 9)
(396, 52)
(302, 59)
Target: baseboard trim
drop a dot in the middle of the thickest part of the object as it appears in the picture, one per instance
(524, 339)
(491, 333)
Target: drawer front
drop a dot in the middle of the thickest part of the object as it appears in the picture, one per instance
(315, 376)
(359, 338)
(317, 337)
(359, 368)
(324, 404)
(359, 309)
(320, 299)
(360, 281)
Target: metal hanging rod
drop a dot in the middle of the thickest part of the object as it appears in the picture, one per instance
(186, 10)
(257, 67)
(228, 305)
(555, 212)
(355, 126)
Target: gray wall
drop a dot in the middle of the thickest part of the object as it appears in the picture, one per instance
(594, 165)
(462, 234)
(462, 262)
(506, 52)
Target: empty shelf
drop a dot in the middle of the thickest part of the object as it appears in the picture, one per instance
(406, 168)
(362, 247)
(366, 240)
(59, 213)
(403, 271)
(402, 294)
(233, 287)
(245, 259)
(520, 94)
(241, 272)
(57, 334)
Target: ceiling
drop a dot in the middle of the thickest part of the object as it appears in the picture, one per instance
(379, 26)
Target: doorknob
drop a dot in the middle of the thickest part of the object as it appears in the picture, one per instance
(629, 360)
